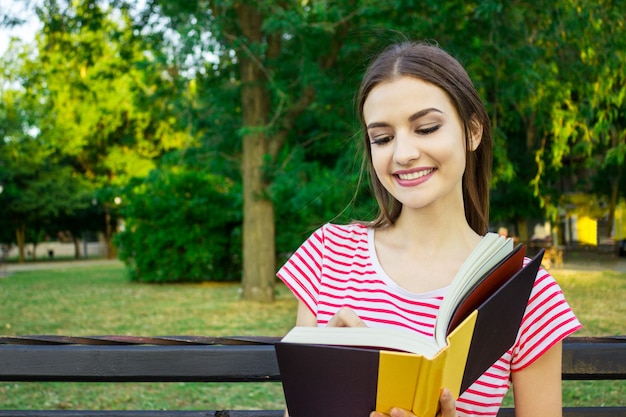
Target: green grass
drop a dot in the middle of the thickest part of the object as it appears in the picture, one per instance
(101, 301)
(599, 301)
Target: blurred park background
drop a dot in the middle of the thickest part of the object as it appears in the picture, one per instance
(197, 143)
(205, 140)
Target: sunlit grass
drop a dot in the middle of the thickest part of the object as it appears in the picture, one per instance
(597, 298)
(99, 300)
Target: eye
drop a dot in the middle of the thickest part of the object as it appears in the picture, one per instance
(381, 140)
(428, 129)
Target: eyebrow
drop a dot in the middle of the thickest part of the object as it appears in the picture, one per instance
(413, 117)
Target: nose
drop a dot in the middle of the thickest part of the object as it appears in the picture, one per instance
(406, 149)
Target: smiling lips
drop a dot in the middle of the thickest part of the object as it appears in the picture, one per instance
(413, 177)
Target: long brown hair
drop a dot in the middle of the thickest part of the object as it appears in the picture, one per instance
(432, 64)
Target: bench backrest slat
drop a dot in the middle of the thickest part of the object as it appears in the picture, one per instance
(583, 358)
(594, 358)
(138, 363)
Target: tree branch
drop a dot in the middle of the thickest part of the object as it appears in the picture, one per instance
(274, 40)
(308, 93)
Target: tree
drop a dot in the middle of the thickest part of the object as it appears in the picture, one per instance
(584, 133)
(295, 63)
(100, 98)
(36, 185)
(181, 226)
(38, 190)
(271, 43)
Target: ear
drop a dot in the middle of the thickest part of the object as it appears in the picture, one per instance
(476, 133)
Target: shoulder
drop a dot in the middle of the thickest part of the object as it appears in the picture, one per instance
(545, 284)
(343, 233)
(339, 238)
(351, 228)
(548, 320)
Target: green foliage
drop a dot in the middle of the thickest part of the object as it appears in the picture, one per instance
(589, 120)
(83, 113)
(308, 194)
(181, 225)
(109, 89)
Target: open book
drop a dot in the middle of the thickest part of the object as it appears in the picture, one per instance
(352, 371)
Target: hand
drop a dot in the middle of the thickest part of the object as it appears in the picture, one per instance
(448, 408)
(346, 317)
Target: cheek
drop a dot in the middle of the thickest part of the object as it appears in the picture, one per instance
(380, 160)
(451, 149)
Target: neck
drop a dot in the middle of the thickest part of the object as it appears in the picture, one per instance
(434, 228)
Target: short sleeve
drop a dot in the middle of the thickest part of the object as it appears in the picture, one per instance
(303, 270)
(548, 320)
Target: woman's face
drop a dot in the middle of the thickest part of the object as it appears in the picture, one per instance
(417, 142)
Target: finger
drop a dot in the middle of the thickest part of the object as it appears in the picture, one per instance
(448, 406)
(346, 317)
(400, 412)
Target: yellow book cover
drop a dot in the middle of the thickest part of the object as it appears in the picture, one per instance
(414, 382)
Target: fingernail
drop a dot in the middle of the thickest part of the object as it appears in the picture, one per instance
(395, 412)
(445, 394)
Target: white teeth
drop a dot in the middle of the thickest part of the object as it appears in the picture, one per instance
(415, 175)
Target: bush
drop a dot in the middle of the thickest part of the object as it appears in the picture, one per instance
(181, 225)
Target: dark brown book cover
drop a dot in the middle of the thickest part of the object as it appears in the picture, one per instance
(331, 381)
(499, 320)
(493, 279)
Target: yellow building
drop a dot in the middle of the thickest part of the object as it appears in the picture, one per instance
(582, 216)
(619, 225)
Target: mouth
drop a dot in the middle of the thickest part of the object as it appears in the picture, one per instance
(409, 176)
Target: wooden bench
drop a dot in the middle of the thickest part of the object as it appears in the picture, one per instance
(239, 359)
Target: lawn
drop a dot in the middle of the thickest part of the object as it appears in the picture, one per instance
(101, 301)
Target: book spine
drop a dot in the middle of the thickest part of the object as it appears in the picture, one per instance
(397, 380)
(428, 386)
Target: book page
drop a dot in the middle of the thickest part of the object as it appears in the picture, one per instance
(491, 249)
(366, 337)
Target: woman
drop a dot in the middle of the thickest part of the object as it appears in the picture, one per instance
(428, 147)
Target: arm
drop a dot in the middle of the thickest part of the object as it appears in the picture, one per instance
(305, 317)
(345, 317)
(537, 388)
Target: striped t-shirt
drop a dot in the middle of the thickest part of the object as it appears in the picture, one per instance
(337, 267)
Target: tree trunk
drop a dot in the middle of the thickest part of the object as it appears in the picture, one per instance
(259, 266)
(522, 230)
(108, 233)
(20, 236)
(614, 197)
(76, 246)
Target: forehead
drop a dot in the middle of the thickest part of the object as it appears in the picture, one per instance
(403, 96)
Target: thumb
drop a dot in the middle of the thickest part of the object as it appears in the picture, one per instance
(400, 412)
(448, 406)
